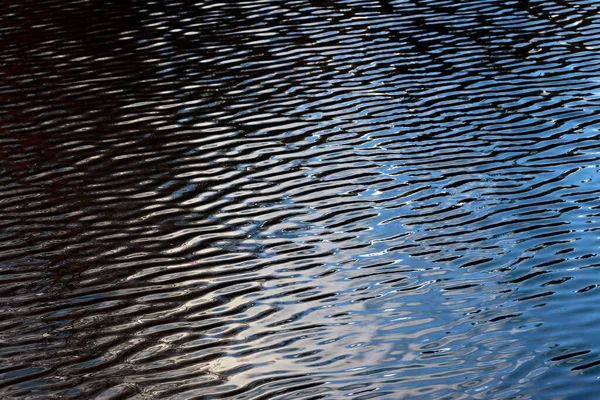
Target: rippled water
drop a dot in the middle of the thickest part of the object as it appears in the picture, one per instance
(299, 199)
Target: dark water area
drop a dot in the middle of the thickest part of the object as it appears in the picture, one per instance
(362, 199)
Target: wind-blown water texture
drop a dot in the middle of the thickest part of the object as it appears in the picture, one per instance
(299, 199)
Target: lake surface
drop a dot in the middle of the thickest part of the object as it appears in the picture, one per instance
(300, 199)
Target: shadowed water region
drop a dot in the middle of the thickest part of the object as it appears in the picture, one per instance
(300, 199)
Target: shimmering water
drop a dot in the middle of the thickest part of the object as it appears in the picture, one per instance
(299, 199)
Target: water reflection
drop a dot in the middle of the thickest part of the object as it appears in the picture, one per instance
(306, 199)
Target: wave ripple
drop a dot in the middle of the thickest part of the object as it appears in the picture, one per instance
(300, 199)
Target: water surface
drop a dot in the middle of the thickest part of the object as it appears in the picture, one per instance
(299, 199)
